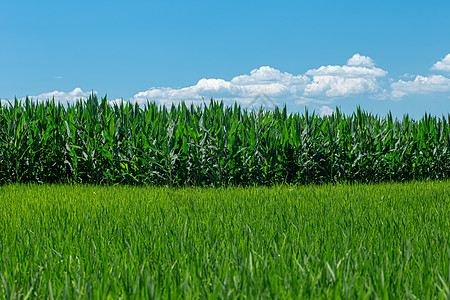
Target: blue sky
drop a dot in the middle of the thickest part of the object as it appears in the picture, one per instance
(381, 55)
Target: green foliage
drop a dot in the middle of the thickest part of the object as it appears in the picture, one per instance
(387, 241)
(213, 145)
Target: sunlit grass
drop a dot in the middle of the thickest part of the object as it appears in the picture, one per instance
(355, 241)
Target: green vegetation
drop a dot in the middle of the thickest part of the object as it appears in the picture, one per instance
(214, 145)
(329, 241)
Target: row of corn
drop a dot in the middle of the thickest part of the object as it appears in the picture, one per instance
(98, 143)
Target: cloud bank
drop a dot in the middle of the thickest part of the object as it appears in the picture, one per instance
(264, 82)
(421, 85)
(267, 86)
(358, 76)
(424, 85)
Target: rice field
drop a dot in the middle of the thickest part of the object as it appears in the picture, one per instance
(386, 240)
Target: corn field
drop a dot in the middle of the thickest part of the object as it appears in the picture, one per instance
(213, 145)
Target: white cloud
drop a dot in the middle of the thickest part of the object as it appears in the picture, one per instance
(359, 76)
(360, 60)
(337, 86)
(442, 65)
(63, 97)
(420, 85)
(347, 71)
(268, 86)
(326, 111)
(265, 83)
(265, 86)
(268, 75)
(423, 84)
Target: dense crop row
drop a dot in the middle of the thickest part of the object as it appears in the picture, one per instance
(93, 142)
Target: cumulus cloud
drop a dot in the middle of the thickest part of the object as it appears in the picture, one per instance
(59, 96)
(268, 86)
(442, 65)
(423, 84)
(360, 60)
(265, 83)
(347, 71)
(359, 76)
(420, 85)
(337, 86)
(264, 86)
(63, 97)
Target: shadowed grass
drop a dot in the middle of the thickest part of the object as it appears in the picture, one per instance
(349, 241)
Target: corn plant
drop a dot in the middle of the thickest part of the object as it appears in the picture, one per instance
(213, 145)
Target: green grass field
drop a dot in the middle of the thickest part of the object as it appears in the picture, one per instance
(332, 241)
